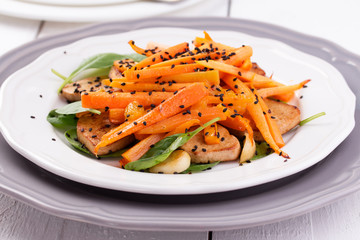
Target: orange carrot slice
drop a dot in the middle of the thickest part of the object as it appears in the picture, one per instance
(116, 115)
(133, 111)
(267, 92)
(184, 127)
(161, 71)
(247, 76)
(145, 52)
(125, 64)
(256, 112)
(168, 53)
(212, 77)
(139, 149)
(121, 100)
(148, 87)
(211, 136)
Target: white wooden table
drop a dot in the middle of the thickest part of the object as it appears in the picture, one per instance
(333, 20)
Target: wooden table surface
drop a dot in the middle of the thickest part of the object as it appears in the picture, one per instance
(332, 20)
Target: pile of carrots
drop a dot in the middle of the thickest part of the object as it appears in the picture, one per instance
(176, 88)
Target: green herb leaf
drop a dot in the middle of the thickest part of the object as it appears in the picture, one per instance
(62, 120)
(303, 122)
(262, 150)
(200, 167)
(101, 62)
(162, 149)
(117, 154)
(75, 107)
(71, 136)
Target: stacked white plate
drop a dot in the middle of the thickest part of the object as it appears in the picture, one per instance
(89, 10)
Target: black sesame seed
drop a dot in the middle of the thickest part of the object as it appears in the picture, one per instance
(203, 149)
(32, 117)
(181, 106)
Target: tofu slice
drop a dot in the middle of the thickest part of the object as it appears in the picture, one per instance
(90, 129)
(72, 91)
(227, 150)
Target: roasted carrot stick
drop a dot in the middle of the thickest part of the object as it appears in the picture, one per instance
(148, 87)
(117, 115)
(161, 71)
(168, 53)
(139, 149)
(211, 136)
(133, 111)
(256, 112)
(125, 64)
(139, 50)
(273, 127)
(212, 77)
(184, 127)
(169, 124)
(198, 42)
(207, 36)
(121, 100)
(247, 76)
(173, 105)
(267, 92)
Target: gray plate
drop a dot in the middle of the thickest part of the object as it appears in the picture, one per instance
(334, 177)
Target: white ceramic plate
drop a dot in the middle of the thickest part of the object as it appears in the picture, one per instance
(92, 13)
(77, 3)
(327, 92)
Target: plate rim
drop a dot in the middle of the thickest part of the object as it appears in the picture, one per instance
(84, 13)
(222, 22)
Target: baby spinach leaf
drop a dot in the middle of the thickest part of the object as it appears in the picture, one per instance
(61, 120)
(72, 138)
(262, 150)
(102, 61)
(75, 107)
(200, 167)
(162, 149)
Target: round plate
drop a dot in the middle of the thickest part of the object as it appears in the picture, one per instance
(77, 3)
(327, 181)
(100, 13)
(327, 92)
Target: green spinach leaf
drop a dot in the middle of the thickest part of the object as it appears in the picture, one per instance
(75, 107)
(62, 120)
(303, 122)
(262, 150)
(102, 62)
(162, 149)
(200, 167)
(72, 138)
